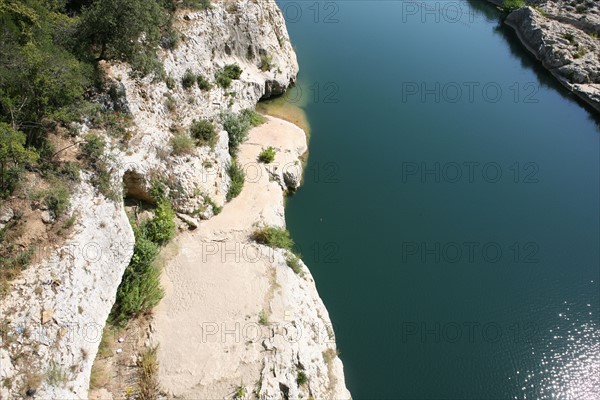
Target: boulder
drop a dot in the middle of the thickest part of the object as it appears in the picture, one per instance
(6, 214)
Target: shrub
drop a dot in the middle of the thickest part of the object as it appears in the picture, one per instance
(161, 228)
(140, 288)
(267, 155)
(263, 318)
(94, 146)
(237, 129)
(511, 5)
(222, 80)
(236, 174)
(182, 144)
(273, 236)
(204, 132)
(225, 75)
(293, 262)
(13, 155)
(170, 81)
(171, 103)
(147, 379)
(57, 199)
(189, 79)
(215, 208)
(196, 4)
(266, 62)
(203, 83)
(233, 71)
(254, 118)
(301, 378)
(69, 170)
(570, 37)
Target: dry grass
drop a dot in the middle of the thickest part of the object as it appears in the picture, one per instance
(148, 386)
(100, 375)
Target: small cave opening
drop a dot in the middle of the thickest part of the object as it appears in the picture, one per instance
(135, 188)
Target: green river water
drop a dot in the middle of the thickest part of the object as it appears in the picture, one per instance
(450, 209)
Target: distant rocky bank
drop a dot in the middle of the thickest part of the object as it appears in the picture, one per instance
(564, 37)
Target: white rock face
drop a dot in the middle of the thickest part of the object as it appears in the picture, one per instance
(210, 39)
(57, 309)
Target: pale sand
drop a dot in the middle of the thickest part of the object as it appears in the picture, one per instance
(217, 280)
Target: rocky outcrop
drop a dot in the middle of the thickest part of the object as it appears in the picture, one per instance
(244, 33)
(563, 36)
(252, 324)
(54, 316)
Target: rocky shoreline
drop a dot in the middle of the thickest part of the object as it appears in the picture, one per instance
(236, 317)
(564, 38)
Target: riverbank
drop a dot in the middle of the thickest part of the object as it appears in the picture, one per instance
(236, 319)
(564, 38)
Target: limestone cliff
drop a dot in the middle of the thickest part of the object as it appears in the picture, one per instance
(55, 312)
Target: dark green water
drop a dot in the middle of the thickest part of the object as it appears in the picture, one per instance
(409, 265)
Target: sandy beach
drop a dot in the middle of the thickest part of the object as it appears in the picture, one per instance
(236, 319)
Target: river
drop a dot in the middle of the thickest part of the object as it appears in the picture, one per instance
(450, 208)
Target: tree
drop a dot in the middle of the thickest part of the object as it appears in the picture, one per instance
(13, 155)
(39, 77)
(126, 30)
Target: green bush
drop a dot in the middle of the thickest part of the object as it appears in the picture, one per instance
(204, 132)
(301, 378)
(273, 236)
(222, 80)
(161, 228)
(93, 146)
(170, 81)
(233, 71)
(267, 155)
(203, 83)
(13, 156)
(140, 288)
(263, 318)
(293, 262)
(225, 75)
(57, 199)
(236, 174)
(266, 62)
(254, 118)
(70, 171)
(182, 144)
(511, 5)
(188, 80)
(209, 201)
(237, 129)
(196, 4)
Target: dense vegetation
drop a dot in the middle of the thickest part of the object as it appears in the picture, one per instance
(237, 127)
(49, 71)
(140, 288)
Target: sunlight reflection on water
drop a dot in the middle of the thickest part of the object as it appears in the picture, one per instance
(569, 367)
